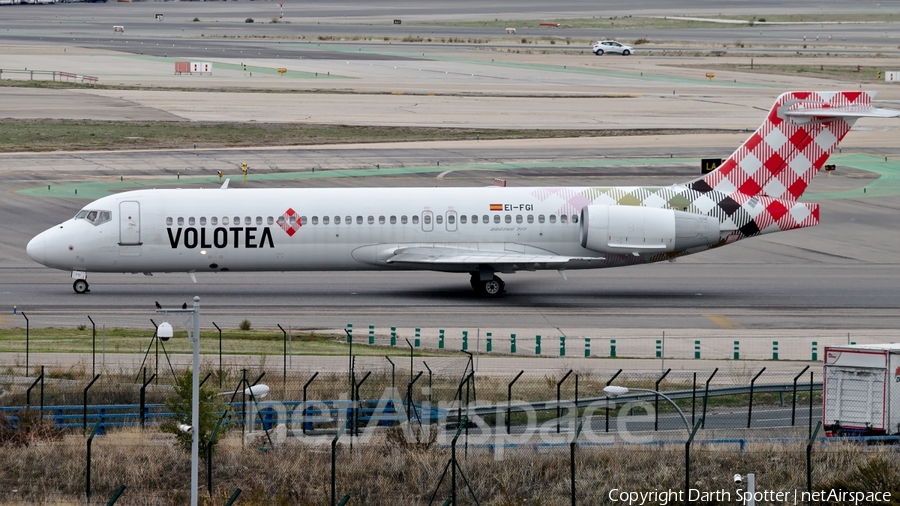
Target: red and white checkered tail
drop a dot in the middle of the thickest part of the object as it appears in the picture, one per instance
(780, 159)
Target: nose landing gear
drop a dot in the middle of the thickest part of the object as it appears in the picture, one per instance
(493, 287)
(80, 286)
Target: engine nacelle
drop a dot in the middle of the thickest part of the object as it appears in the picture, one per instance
(645, 230)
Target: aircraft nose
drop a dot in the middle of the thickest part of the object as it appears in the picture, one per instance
(36, 248)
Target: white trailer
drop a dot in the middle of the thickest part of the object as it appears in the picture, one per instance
(861, 392)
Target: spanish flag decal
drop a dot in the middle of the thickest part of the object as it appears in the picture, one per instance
(496, 207)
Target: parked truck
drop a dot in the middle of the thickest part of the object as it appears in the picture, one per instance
(861, 392)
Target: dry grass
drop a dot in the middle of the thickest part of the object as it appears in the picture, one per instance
(385, 473)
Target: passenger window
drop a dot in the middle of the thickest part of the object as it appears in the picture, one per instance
(574, 218)
(496, 218)
(279, 221)
(237, 220)
(359, 220)
(302, 220)
(203, 220)
(552, 218)
(415, 219)
(540, 218)
(269, 220)
(381, 220)
(225, 220)
(508, 218)
(371, 220)
(180, 221)
(292, 221)
(337, 220)
(451, 218)
(248, 220)
(403, 220)
(426, 219)
(530, 218)
(474, 219)
(563, 219)
(190, 220)
(518, 218)
(324, 220)
(259, 220)
(348, 220)
(439, 219)
(169, 221)
(462, 219)
(215, 221)
(487, 219)
(393, 220)
(315, 220)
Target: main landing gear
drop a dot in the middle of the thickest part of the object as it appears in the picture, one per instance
(80, 286)
(493, 287)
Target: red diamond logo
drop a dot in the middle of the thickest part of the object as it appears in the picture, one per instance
(290, 222)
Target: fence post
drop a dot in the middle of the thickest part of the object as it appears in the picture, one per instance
(537, 345)
(341, 427)
(587, 346)
(687, 458)
(612, 348)
(750, 407)
(465, 337)
(774, 350)
(794, 395)
(371, 334)
(706, 397)
(815, 351)
(509, 399)
(559, 399)
(656, 399)
(608, 383)
(144, 397)
(490, 342)
(88, 387)
(393, 336)
(658, 348)
(562, 346)
(697, 349)
(737, 350)
(441, 339)
(512, 343)
(418, 340)
(349, 332)
(306, 385)
(812, 439)
(87, 478)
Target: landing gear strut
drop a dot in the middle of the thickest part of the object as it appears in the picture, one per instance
(80, 286)
(492, 288)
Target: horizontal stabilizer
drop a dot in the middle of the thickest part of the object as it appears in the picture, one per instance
(842, 112)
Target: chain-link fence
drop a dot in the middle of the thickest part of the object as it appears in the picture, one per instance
(421, 435)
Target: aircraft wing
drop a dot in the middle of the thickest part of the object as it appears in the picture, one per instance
(444, 256)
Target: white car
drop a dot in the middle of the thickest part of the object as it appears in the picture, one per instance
(611, 46)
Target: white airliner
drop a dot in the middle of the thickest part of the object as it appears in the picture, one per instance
(478, 231)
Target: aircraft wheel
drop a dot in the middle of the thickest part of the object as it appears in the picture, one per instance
(80, 286)
(493, 287)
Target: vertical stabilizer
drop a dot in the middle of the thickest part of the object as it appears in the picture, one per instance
(780, 159)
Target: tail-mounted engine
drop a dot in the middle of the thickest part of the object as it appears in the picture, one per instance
(645, 230)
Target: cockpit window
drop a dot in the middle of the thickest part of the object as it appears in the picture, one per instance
(93, 216)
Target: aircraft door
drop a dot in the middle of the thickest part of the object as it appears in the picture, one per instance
(451, 221)
(427, 221)
(129, 223)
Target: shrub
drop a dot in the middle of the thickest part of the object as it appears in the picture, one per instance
(248, 20)
(245, 324)
(180, 406)
(196, 20)
(26, 429)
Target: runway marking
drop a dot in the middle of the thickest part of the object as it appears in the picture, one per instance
(723, 321)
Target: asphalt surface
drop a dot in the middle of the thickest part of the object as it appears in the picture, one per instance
(836, 278)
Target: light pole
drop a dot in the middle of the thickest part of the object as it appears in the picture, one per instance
(613, 391)
(165, 332)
